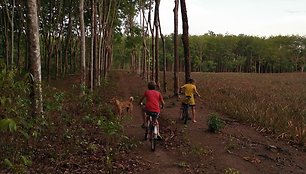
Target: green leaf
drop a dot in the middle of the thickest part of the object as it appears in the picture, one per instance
(2, 101)
(8, 124)
(26, 135)
(8, 163)
(26, 161)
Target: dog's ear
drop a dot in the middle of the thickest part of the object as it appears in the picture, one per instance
(131, 98)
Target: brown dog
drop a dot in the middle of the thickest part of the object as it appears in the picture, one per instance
(121, 105)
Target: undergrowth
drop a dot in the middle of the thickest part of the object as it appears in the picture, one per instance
(72, 127)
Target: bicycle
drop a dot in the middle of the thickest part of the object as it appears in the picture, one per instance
(151, 131)
(185, 109)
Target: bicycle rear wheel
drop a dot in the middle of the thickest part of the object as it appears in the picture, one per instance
(153, 137)
(185, 114)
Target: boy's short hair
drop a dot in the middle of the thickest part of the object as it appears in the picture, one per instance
(152, 85)
(190, 81)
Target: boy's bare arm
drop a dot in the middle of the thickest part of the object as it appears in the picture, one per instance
(162, 103)
(140, 101)
(196, 91)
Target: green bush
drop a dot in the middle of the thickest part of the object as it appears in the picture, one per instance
(214, 123)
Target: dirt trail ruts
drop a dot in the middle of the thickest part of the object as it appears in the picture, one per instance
(160, 161)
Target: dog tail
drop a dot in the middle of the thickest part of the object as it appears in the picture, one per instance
(131, 99)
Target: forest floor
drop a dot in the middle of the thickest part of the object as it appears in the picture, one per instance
(191, 148)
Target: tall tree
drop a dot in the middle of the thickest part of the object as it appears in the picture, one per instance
(93, 47)
(33, 33)
(144, 42)
(185, 39)
(164, 57)
(20, 10)
(175, 50)
(156, 26)
(152, 65)
(11, 20)
(83, 48)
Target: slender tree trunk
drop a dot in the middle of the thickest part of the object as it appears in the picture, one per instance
(35, 55)
(58, 52)
(144, 45)
(11, 20)
(156, 25)
(92, 45)
(164, 59)
(18, 45)
(185, 39)
(12, 35)
(27, 62)
(2, 38)
(95, 53)
(20, 28)
(152, 44)
(175, 40)
(83, 48)
(6, 43)
(50, 54)
(75, 55)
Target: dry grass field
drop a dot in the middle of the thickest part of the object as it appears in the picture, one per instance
(274, 102)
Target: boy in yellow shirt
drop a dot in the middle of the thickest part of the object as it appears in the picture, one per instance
(190, 89)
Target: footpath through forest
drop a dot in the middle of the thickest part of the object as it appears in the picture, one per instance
(192, 149)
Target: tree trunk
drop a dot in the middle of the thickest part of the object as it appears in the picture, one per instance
(11, 20)
(83, 48)
(156, 25)
(12, 35)
(50, 50)
(164, 59)
(18, 49)
(95, 59)
(20, 28)
(68, 45)
(144, 45)
(152, 43)
(92, 45)
(6, 43)
(185, 39)
(35, 56)
(175, 40)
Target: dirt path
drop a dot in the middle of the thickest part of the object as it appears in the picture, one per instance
(191, 149)
(161, 161)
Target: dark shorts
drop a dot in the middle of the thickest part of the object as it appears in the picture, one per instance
(153, 114)
(189, 105)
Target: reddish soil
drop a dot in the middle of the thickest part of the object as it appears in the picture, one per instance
(192, 149)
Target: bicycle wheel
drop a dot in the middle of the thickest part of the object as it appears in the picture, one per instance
(153, 137)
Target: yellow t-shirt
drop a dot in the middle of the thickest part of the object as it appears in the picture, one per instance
(189, 90)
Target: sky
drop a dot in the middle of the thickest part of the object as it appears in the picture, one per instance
(263, 18)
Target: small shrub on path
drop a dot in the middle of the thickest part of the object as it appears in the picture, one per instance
(215, 123)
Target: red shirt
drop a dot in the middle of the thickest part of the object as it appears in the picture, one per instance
(153, 98)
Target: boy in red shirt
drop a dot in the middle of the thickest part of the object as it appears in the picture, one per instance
(153, 101)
